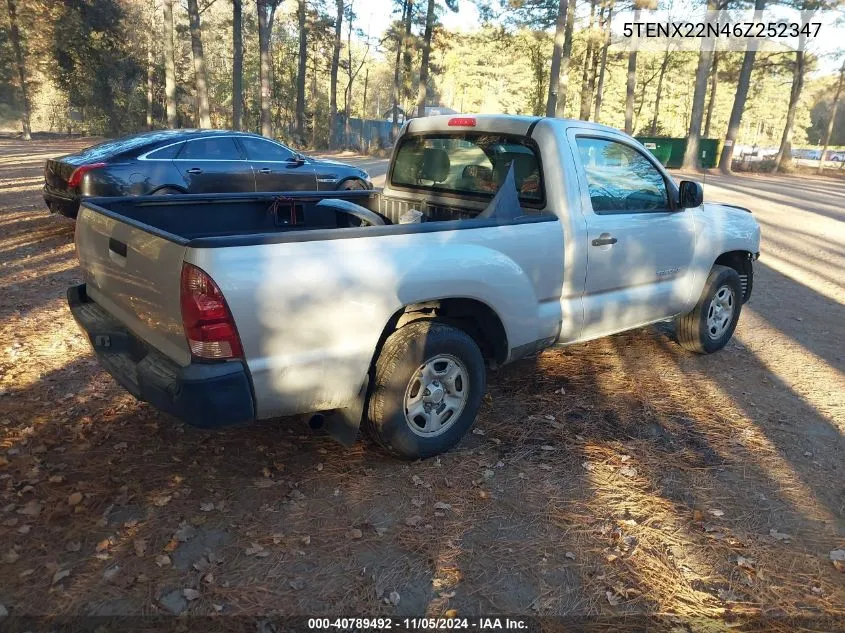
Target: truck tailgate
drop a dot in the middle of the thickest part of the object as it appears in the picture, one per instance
(134, 275)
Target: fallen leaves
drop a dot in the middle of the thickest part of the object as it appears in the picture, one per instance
(779, 536)
(32, 508)
(190, 594)
(355, 533)
(413, 521)
(140, 546)
(257, 550)
(162, 500)
(60, 575)
(163, 560)
(74, 499)
(441, 505)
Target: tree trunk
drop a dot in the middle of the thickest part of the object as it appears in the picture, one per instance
(603, 63)
(711, 102)
(586, 90)
(17, 45)
(365, 146)
(406, 39)
(630, 88)
(566, 54)
(169, 65)
(313, 95)
(784, 154)
(300, 74)
(832, 121)
(663, 66)
(702, 72)
(150, 72)
(554, 75)
(726, 159)
(200, 75)
(266, 12)
(396, 75)
(333, 79)
(237, 64)
(422, 90)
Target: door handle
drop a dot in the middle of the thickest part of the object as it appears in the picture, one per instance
(117, 247)
(264, 170)
(604, 241)
(195, 170)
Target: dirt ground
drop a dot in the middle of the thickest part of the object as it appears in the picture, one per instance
(622, 476)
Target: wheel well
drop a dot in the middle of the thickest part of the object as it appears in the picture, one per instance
(743, 263)
(474, 317)
(176, 188)
(350, 178)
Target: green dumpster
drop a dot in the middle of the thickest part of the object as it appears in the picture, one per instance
(670, 151)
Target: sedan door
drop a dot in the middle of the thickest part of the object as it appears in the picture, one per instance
(276, 167)
(214, 164)
(639, 245)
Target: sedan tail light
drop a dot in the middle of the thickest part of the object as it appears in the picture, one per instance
(208, 323)
(79, 172)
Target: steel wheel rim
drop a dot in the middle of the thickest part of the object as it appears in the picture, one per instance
(720, 312)
(436, 395)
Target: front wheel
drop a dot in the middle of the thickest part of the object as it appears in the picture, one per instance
(711, 324)
(429, 381)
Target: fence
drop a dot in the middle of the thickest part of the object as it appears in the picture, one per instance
(364, 133)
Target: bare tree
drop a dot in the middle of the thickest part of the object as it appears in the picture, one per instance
(338, 23)
(603, 62)
(300, 74)
(702, 72)
(711, 101)
(833, 110)
(266, 13)
(586, 89)
(784, 154)
(20, 62)
(400, 42)
(557, 52)
(237, 64)
(566, 54)
(169, 65)
(630, 88)
(422, 89)
(740, 97)
(200, 75)
(351, 73)
(150, 72)
(663, 65)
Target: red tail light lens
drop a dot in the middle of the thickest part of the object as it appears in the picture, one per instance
(462, 121)
(79, 172)
(209, 326)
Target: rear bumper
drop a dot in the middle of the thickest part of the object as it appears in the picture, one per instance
(62, 202)
(204, 395)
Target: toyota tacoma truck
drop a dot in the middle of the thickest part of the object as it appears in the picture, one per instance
(495, 237)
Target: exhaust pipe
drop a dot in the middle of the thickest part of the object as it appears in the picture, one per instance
(317, 421)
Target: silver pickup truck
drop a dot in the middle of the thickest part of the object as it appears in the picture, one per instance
(494, 237)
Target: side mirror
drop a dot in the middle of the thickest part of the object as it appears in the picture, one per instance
(690, 194)
(296, 160)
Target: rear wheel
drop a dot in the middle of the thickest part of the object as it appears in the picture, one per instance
(166, 191)
(711, 324)
(429, 381)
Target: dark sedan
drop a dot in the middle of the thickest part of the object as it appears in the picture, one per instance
(189, 161)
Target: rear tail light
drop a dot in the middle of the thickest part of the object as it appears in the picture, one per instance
(79, 172)
(462, 121)
(209, 326)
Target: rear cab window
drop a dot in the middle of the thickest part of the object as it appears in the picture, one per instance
(468, 164)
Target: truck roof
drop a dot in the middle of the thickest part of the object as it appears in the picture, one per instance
(499, 123)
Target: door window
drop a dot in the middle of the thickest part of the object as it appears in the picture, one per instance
(620, 178)
(222, 148)
(258, 149)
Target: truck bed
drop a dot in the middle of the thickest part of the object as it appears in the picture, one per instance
(186, 218)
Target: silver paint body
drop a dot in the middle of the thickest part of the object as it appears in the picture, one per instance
(310, 313)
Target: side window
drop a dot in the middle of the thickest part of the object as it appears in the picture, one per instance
(259, 149)
(223, 148)
(165, 153)
(620, 178)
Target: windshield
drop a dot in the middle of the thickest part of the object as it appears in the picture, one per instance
(468, 163)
